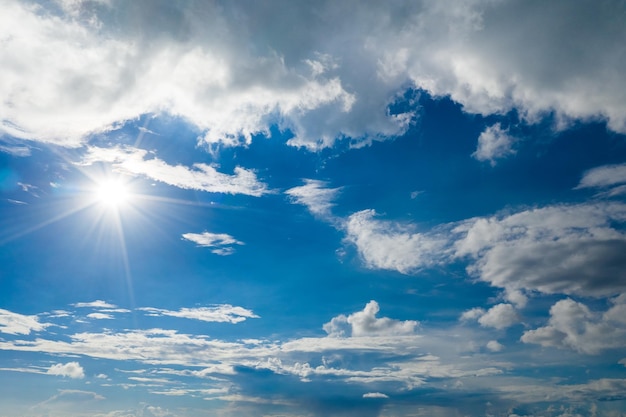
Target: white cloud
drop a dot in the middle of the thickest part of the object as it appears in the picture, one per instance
(610, 177)
(494, 143)
(220, 242)
(394, 246)
(573, 325)
(561, 249)
(201, 177)
(94, 304)
(65, 76)
(499, 316)
(15, 323)
(365, 323)
(494, 346)
(16, 150)
(315, 196)
(224, 313)
(100, 316)
(70, 369)
(375, 395)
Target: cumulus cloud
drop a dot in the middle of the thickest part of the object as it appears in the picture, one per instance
(499, 316)
(494, 143)
(572, 325)
(221, 243)
(15, 323)
(202, 177)
(70, 369)
(365, 323)
(315, 195)
(68, 74)
(561, 249)
(391, 245)
(494, 346)
(224, 313)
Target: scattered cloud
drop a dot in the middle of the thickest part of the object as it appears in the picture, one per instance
(365, 323)
(71, 369)
(494, 346)
(394, 246)
(100, 316)
(224, 313)
(499, 316)
(375, 395)
(609, 177)
(315, 195)
(15, 323)
(494, 143)
(73, 396)
(572, 325)
(202, 177)
(221, 243)
(560, 249)
(94, 304)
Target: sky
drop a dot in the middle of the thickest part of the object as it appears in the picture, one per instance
(320, 208)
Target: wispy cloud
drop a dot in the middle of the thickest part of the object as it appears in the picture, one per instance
(391, 245)
(200, 177)
(15, 323)
(315, 195)
(221, 243)
(224, 313)
(94, 304)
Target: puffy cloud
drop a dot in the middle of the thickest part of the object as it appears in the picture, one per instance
(220, 242)
(233, 70)
(15, 323)
(494, 346)
(365, 323)
(572, 325)
(561, 249)
(394, 246)
(224, 313)
(499, 316)
(315, 196)
(70, 369)
(494, 143)
(201, 177)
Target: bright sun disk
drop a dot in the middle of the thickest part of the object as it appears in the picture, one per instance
(112, 193)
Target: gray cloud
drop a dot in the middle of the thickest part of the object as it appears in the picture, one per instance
(234, 69)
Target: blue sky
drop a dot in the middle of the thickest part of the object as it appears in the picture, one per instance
(312, 208)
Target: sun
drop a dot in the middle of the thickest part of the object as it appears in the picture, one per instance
(112, 193)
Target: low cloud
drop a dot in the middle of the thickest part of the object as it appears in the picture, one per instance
(494, 143)
(365, 323)
(572, 325)
(499, 316)
(71, 369)
(391, 245)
